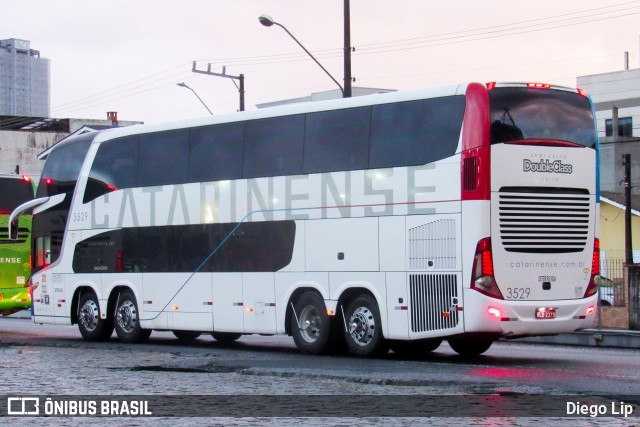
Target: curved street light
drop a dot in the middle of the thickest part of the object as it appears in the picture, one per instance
(183, 84)
(268, 21)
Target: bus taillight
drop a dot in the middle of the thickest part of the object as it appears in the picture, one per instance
(482, 279)
(592, 288)
(582, 92)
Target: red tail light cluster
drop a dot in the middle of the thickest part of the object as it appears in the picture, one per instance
(592, 288)
(482, 279)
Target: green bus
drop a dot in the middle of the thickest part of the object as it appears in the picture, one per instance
(15, 254)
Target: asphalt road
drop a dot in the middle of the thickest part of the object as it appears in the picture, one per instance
(530, 384)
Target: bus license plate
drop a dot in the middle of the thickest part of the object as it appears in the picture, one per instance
(545, 313)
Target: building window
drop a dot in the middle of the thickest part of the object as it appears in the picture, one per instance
(625, 127)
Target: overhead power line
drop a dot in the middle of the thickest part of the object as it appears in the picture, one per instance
(158, 80)
(504, 30)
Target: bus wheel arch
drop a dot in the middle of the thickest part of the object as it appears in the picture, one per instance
(94, 325)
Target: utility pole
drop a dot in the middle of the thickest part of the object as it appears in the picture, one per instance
(626, 159)
(347, 50)
(240, 78)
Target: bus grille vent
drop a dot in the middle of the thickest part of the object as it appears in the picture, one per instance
(432, 301)
(23, 235)
(470, 167)
(433, 245)
(544, 220)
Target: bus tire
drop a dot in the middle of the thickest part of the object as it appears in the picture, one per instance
(418, 348)
(186, 335)
(90, 323)
(127, 319)
(364, 328)
(470, 345)
(225, 337)
(310, 324)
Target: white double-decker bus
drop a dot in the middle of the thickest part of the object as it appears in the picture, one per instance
(465, 213)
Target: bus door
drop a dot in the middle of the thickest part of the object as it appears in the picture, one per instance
(260, 303)
(228, 304)
(192, 303)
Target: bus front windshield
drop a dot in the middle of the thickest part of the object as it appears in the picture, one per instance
(13, 193)
(519, 113)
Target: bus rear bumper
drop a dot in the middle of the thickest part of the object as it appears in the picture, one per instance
(527, 318)
(14, 300)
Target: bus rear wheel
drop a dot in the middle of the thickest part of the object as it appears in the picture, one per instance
(310, 324)
(90, 323)
(364, 328)
(186, 335)
(225, 337)
(127, 321)
(470, 345)
(419, 348)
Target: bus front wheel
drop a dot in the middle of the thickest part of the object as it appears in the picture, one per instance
(363, 332)
(127, 321)
(92, 326)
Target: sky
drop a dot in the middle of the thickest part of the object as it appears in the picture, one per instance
(128, 55)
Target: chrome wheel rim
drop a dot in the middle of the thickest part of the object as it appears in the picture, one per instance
(89, 315)
(362, 326)
(310, 324)
(127, 316)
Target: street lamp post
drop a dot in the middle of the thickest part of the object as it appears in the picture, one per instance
(267, 21)
(183, 84)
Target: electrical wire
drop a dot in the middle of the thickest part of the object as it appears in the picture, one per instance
(504, 30)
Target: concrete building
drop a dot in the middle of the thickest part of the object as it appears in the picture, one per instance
(24, 139)
(616, 97)
(24, 80)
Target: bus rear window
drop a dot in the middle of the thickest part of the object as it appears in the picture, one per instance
(541, 114)
(13, 193)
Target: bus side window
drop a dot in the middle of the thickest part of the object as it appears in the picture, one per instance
(273, 146)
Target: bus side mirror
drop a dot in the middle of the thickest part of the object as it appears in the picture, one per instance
(25, 207)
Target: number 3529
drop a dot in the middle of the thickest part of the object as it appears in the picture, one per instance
(518, 293)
